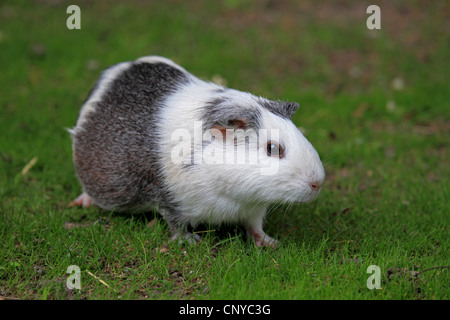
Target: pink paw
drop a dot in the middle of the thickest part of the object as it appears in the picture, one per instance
(83, 200)
(262, 239)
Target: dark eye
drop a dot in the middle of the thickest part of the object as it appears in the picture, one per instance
(274, 150)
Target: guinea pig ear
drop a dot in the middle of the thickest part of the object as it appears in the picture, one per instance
(231, 124)
(289, 108)
(281, 108)
(221, 114)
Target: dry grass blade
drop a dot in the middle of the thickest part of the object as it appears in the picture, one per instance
(29, 165)
(100, 280)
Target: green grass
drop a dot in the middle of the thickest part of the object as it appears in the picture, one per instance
(375, 104)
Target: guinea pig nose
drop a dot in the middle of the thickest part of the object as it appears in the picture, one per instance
(315, 185)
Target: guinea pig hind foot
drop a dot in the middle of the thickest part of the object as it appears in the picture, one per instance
(183, 237)
(83, 200)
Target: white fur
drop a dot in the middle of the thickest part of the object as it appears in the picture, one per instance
(158, 59)
(234, 193)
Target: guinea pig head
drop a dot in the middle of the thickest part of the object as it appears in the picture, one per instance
(259, 154)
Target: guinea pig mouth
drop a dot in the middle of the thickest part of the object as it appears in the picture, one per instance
(310, 197)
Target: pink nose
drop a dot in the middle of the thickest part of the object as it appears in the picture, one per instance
(315, 185)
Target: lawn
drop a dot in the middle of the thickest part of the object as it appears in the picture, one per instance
(374, 103)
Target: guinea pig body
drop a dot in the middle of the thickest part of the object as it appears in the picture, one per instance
(152, 134)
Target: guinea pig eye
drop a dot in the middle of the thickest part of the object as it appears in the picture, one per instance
(274, 150)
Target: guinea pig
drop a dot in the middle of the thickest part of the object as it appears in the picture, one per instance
(152, 135)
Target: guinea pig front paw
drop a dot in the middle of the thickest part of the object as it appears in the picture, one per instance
(185, 237)
(267, 242)
(261, 239)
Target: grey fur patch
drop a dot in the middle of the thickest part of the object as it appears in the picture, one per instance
(280, 108)
(116, 155)
(217, 111)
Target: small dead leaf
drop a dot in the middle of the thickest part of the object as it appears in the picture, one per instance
(277, 266)
(398, 84)
(396, 272)
(341, 213)
(390, 152)
(358, 113)
(431, 177)
(163, 249)
(349, 260)
(151, 224)
(38, 50)
(390, 106)
(142, 293)
(71, 225)
(344, 173)
(332, 135)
